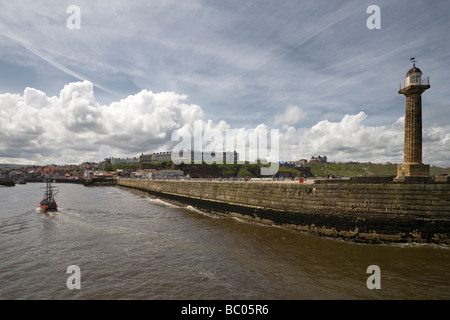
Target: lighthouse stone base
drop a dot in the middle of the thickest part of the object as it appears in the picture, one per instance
(413, 170)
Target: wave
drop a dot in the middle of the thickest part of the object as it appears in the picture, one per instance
(420, 245)
(210, 215)
(161, 202)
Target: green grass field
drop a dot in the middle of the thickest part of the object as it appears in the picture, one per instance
(364, 170)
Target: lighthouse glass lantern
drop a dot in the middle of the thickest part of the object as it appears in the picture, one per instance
(414, 76)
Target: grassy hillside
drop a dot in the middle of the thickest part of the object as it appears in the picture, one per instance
(353, 170)
(252, 170)
(365, 170)
(435, 171)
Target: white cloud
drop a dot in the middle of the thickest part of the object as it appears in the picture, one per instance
(350, 140)
(292, 115)
(260, 58)
(73, 127)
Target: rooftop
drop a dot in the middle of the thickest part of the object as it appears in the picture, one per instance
(414, 69)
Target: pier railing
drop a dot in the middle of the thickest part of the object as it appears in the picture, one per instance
(425, 81)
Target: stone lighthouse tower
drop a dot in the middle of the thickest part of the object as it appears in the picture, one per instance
(413, 88)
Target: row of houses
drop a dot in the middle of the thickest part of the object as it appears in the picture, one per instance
(42, 172)
(194, 156)
(302, 162)
(154, 157)
(183, 156)
(157, 174)
(318, 159)
(191, 155)
(139, 174)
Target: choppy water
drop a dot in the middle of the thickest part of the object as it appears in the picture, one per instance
(130, 246)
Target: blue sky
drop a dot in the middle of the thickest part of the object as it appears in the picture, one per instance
(293, 65)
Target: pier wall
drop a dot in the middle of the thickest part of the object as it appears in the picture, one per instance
(363, 212)
(7, 182)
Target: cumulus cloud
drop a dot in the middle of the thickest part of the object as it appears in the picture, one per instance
(292, 115)
(351, 140)
(73, 127)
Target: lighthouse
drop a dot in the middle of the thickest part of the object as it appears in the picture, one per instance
(412, 89)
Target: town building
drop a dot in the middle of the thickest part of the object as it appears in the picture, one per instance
(162, 156)
(318, 159)
(144, 174)
(124, 160)
(169, 174)
(146, 158)
(191, 156)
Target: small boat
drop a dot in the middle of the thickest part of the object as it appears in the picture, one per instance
(48, 203)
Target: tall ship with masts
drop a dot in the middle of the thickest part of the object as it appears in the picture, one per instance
(48, 203)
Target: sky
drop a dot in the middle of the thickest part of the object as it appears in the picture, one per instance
(135, 72)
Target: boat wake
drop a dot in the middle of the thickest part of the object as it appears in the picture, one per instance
(47, 213)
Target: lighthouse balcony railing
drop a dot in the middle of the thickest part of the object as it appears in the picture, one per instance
(425, 81)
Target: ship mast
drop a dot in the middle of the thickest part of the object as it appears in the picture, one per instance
(49, 192)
